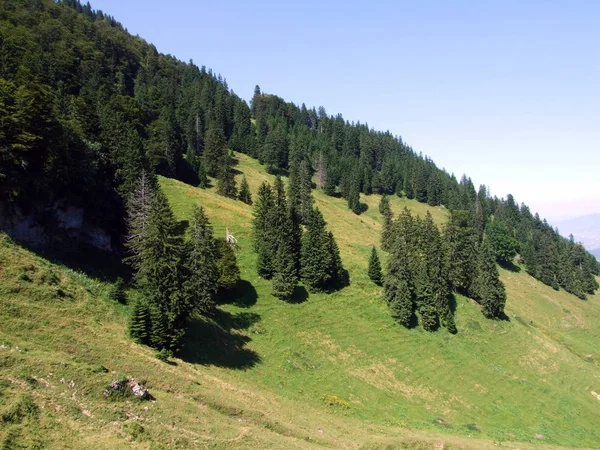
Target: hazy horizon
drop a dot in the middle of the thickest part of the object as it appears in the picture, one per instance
(507, 93)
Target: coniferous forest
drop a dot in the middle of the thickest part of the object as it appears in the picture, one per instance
(89, 115)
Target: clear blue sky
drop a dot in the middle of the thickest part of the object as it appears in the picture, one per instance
(505, 91)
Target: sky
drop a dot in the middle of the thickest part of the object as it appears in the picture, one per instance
(505, 91)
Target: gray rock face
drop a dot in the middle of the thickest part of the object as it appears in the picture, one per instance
(39, 226)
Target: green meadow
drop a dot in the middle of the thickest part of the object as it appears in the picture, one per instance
(327, 370)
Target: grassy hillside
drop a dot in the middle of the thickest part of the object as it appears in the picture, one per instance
(327, 371)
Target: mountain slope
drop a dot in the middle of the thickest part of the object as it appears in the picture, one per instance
(333, 370)
(585, 229)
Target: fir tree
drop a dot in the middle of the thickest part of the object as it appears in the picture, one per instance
(138, 218)
(226, 178)
(396, 286)
(117, 292)
(388, 226)
(487, 288)
(408, 189)
(285, 262)
(286, 275)
(315, 253)
(384, 205)
(375, 268)
(159, 265)
(264, 243)
(215, 150)
(203, 276)
(461, 250)
(245, 194)
(424, 296)
(337, 273)
(354, 196)
(140, 325)
(227, 266)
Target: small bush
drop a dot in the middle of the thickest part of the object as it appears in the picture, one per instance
(164, 355)
(334, 400)
(135, 430)
(117, 292)
(100, 369)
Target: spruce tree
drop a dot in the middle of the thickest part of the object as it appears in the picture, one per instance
(408, 189)
(424, 297)
(336, 269)
(387, 232)
(384, 205)
(285, 264)
(117, 292)
(264, 243)
(138, 218)
(306, 200)
(286, 275)
(202, 273)
(161, 274)
(215, 150)
(354, 197)
(140, 325)
(396, 286)
(245, 194)
(315, 253)
(227, 266)
(461, 250)
(487, 288)
(226, 178)
(375, 268)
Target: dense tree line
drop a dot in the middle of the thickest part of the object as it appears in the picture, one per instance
(85, 106)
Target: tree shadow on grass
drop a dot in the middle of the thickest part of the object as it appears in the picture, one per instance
(244, 295)
(509, 265)
(95, 263)
(300, 295)
(217, 342)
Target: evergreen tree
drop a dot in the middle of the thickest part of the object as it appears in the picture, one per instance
(354, 195)
(336, 269)
(285, 262)
(264, 243)
(140, 325)
(117, 292)
(286, 274)
(408, 189)
(245, 194)
(305, 200)
(387, 233)
(159, 272)
(203, 276)
(487, 288)
(138, 218)
(215, 150)
(461, 250)
(396, 285)
(315, 255)
(424, 297)
(384, 205)
(227, 266)
(375, 268)
(226, 178)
